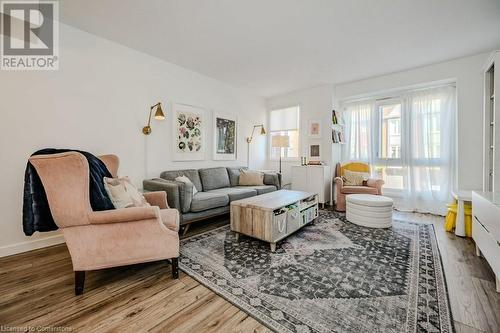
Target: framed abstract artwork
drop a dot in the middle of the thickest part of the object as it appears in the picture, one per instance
(225, 128)
(315, 152)
(189, 135)
(314, 129)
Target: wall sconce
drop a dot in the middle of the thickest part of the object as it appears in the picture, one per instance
(146, 130)
(250, 138)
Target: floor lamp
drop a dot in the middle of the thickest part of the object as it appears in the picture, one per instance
(280, 141)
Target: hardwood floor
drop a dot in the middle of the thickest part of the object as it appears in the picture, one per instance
(475, 304)
(37, 288)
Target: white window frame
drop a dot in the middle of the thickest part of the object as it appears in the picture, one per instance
(377, 126)
(269, 134)
(377, 143)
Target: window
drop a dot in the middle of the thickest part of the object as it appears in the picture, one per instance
(388, 158)
(285, 122)
(390, 131)
(410, 142)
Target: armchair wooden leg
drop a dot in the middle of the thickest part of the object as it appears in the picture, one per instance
(79, 282)
(175, 267)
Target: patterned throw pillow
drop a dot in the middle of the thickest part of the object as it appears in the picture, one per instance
(353, 178)
(251, 178)
(123, 194)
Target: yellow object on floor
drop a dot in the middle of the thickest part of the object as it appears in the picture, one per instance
(451, 217)
(468, 220)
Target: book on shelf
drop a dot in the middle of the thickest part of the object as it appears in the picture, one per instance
(335, 120)
(337, 136)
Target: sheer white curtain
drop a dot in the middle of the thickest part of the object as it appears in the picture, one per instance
(427, 166)
(358, 131)
(431, 154)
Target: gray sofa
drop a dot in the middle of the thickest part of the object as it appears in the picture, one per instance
(217, 187)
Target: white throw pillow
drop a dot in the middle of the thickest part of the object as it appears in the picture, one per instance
(123, 194)
(251, 178)
(186, 180)
(353, 178)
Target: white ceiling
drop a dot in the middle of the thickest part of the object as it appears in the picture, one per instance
(277, 46)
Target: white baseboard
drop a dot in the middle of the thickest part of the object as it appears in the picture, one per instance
(21, 247)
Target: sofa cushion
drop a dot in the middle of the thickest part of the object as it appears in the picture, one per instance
(192, 174)
(358, 189)
(272, 178)
(260, 189)
(234, 175)
(206, 200)
(251, 178)
(235, 193)
(214, 178)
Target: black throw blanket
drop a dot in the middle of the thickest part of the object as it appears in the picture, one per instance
(36, 211)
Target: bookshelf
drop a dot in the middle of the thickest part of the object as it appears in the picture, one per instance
(338, 128)
(491, 139)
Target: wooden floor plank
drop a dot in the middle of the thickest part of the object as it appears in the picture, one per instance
(197, 316)
(37, 289)
(160, 308)
(125, 310)
(489, 305)
(462, 328)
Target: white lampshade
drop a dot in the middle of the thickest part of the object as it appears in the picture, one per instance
(280, 141)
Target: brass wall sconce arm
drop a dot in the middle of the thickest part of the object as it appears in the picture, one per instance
(250, 138)
(262, 132)
(159, 115)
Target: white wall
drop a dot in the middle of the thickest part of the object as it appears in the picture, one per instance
(315, 104)
(98, 101)
(469, 77)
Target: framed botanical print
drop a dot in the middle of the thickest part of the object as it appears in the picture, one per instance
(188, 133)
(225, 136)
(314, 128)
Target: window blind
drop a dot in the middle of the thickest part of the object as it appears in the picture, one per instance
(285, 119)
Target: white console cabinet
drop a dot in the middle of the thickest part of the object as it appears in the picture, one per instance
(314, 179)
(486, 228)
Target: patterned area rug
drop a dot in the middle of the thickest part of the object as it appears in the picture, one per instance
(331, 276)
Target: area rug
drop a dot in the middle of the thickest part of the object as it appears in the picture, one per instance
(331, 276)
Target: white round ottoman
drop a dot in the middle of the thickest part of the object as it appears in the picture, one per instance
(368, 210)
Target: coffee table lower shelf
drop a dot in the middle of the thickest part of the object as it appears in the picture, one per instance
(274, 216)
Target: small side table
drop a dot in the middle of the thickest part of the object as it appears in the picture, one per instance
(461, 196)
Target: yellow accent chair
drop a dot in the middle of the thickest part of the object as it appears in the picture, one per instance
(371, 186)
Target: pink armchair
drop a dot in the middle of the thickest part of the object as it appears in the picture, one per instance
(111, 238)
(373, 186)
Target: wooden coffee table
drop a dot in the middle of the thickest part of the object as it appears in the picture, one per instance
(273, 216)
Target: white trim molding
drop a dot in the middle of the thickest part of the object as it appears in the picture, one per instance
(29, 245)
